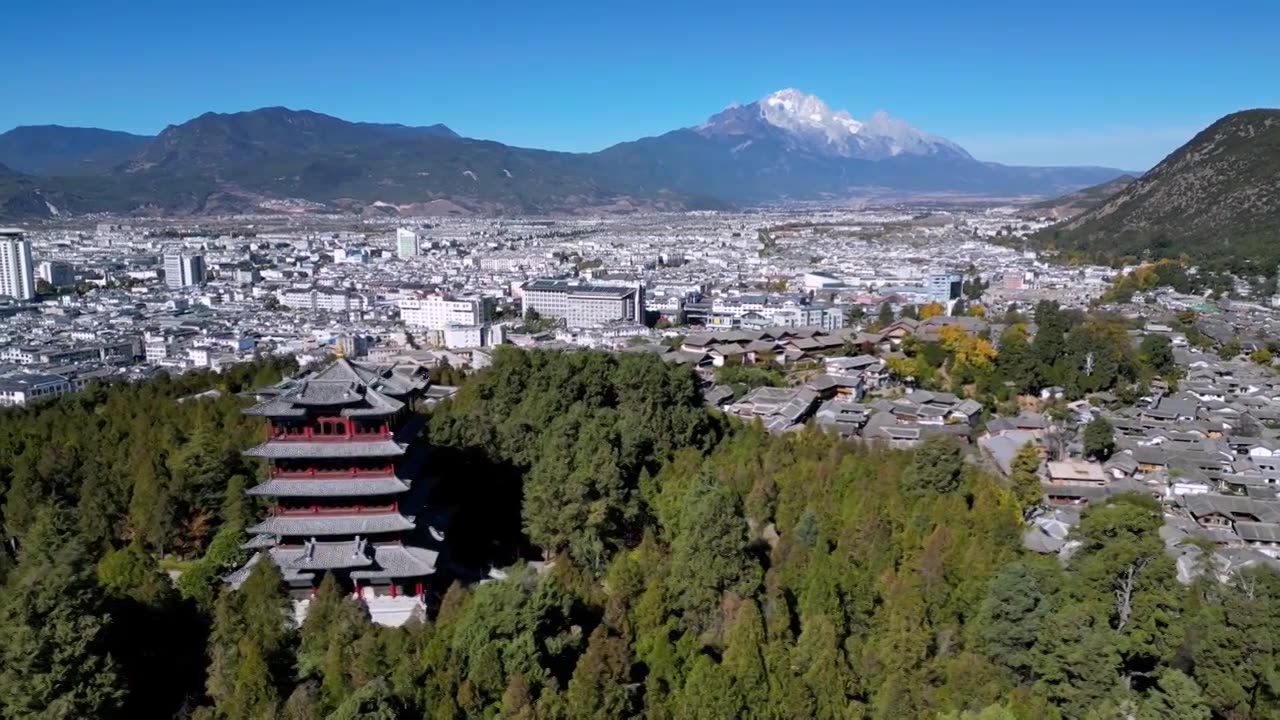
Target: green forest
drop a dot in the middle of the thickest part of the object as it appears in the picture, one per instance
(661, 561)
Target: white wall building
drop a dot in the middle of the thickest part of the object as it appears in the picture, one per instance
(19, 390)
(17, 277)
(437, 312)
(182, 270)
(473, 336)
(406, 243)
(581, 305)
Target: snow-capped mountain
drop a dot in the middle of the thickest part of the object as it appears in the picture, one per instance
(805, 122)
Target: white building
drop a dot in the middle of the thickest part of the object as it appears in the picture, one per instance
(473, 336)
(351, 255)
(19, 390)
(182, 270)
(406, 243)
(319, 299)
(581, 305)
(57, 274)
(17, 279)
(944, 285)
(437, 312)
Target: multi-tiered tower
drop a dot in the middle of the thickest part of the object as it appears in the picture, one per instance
(346, 473)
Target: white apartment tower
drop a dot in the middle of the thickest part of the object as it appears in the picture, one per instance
(406, 243)
(181, 270)
(17, 276)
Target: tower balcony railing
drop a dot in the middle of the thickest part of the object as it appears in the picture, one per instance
(308, 434)
(279, 511)
(333, 473)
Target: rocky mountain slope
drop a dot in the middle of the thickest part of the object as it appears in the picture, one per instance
(1215, 199)
(1078, 202)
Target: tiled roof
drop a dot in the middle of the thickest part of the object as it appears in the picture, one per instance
(1258, 531)
(380, 561)
(302, 449)
(330, 487)
(321, 525)
(320, 555)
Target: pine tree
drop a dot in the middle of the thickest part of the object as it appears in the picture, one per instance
(374, 701)
(1024, 479)
(150, 514)
(884, 318)
(52, 660)
(1099, 438)
(1175, 697)
(937, 466)
(250, 645)
(517, 701)
(709, 555)
(1009, 620)
(598, 686)
(744, 661)
(131, 573)
(327, 649)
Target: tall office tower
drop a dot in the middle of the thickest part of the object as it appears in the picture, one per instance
(406, 243)
(181, 270)
(17, 277)
(58, 274)
(944, 285)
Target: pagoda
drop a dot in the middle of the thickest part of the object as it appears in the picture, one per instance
(345, 478)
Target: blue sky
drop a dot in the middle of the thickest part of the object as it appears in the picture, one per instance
(1107, 83)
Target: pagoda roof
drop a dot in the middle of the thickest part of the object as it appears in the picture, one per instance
(330, 487)
(322, 525)
(393, 561)
(242, 573)
(379, 561)
(360, 389)
(258, 542)
(325, 555)
(315, 448)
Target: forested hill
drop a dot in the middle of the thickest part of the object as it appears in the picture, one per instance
(699, 569)
(1215, 199)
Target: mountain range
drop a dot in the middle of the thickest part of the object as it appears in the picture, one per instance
(1215, 200)
(787, 146)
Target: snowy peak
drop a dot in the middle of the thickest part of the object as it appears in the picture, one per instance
(806, 123)
(792, 109)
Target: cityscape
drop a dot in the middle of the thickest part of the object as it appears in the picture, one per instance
(582, 361)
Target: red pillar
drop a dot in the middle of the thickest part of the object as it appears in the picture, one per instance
(393, 589)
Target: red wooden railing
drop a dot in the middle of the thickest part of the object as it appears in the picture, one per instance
(279, 511)
(335, 473)
(309, 435)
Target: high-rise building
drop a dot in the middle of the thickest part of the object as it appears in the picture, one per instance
(182, 270)
(17, 279)
(57, 274)
(944, 285)
(346, 473)
(406, 243)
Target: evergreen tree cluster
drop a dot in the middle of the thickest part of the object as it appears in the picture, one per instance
(662, 562)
